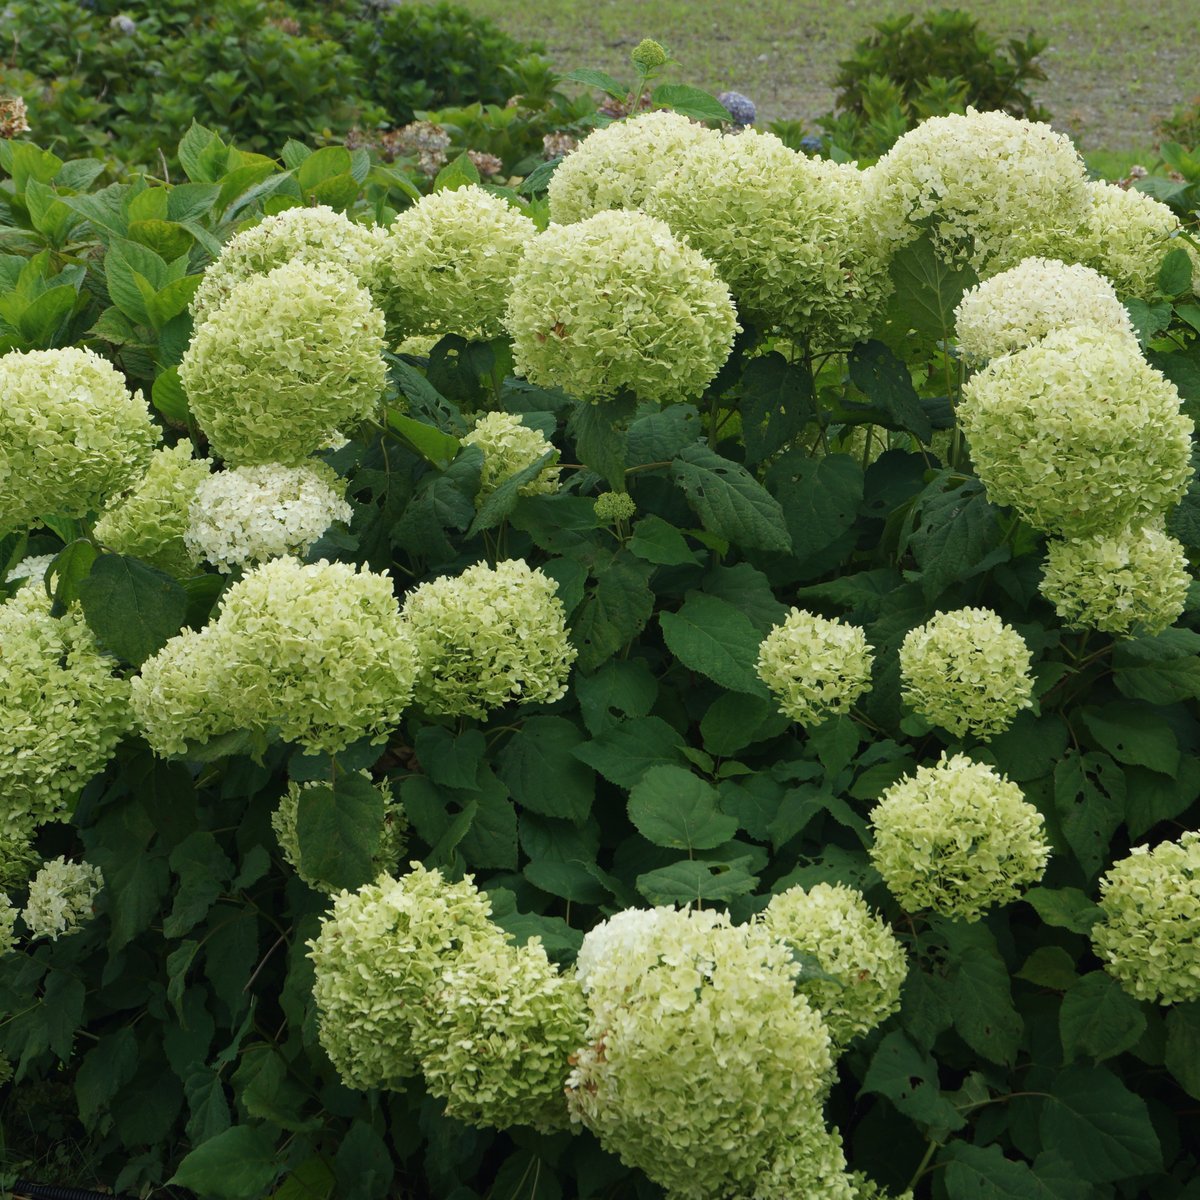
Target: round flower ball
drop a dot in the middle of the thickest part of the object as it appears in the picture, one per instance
(252, 514)
(1019, 306)
(983, 181)
(289, 357)
(448, 263)
(61, 897)
(488, 637)
(509, 447)
(1130, 583)
(785, 231)
(1078, 433)
(816, 667)
(616, 303)
(834, 925)
(616, 167)
(1149, 938)
(151, 519)
(71, 435)
(966, 671)
(315, 237)
(957, 838)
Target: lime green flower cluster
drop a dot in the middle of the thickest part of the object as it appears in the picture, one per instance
(957, 838)
(834, 925)
(393, 837)
(1127, 584)
(312, 237)
(8, 942)
(317, 654)
(288, 358)
(71, 435)
(966, 671)
(987, 181)
(150, 520)
(815, 667)
(648, 54)
(509, 446)
(616, 302)
(487, 637)
(1019, 306)
(617, 166)
(611, 507)
(1078, 433)
(65, 711)
(1149, 938)
(60, 898)
(18, 860)
(448, 263)
(785, 231)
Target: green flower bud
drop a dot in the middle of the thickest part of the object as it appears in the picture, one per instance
(612, 507)
(647, 55)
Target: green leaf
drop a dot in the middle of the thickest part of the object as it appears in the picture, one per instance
(983, 1173)
(689, 881)
(656, 541)
(599, 438)
(363, 1165)
(926, 291)
(671, 807)
(777, 402)
(626, 752)
(540, 769)
(980, 995)
(202, 154)
(1134, 733)
(70, 567)
(1099, 1019)
(203, 869)
(567, 880)
(730, 501)
(909, 1079)
(338, 828)
(1089, 793)
(1175, 274)
(598, 79)
(62, 1009)
(500, 502)
(1049, 967)
(1183, 1046)
(427, 440)
(460, 172)
(614, 611)
(1101, 1127)
(105, 1069)
(239, 1164)
(491, 840)
(884, 379)
(322, 164)
(625, 688)
(43, 317)
(690, 102)
(1064, 908)
(169, 398)
(736, 720)
(1159, 670)
(820, 496)
(133, 609)
(1151, 798)
(954, 534)
(712, 637)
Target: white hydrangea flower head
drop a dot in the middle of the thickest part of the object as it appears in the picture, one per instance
(503, 1025)
(150, 520)
(71, 434)
(835, 925)
(616, 302)
(1078, 433)
(393, 838)
(966, 671)
(248, 515)
(64, 710)
(617, 166)
(489, 637)
(60, 898)
(378, 959)
(815, 667)
(613, 945)
(957, 838)
(785, 231)
(1149, 938)
(313, 237)
(509, 446)
(8, 942)
(986, 179)
(31, 569)
(315, 653)
(1019, 306)
(1125, 236)
(701, 1062)
(1130, 583)
(811, 1164)
(449, 261)
(287, 359)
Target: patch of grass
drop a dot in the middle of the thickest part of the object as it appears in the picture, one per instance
(1114, 164)
(1114, 69)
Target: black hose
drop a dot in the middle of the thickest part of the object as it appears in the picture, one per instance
(24, 1190)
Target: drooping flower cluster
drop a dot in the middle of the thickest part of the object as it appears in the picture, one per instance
(815, 667)
(786, 232)
(315, 653)
(1078, 433)
(252, 514)
(1132, 582)
(509, 446)
(616, 167)
(616, 302)
(488, 637)
(393, 835)
(966, 671)
(1149, 938)
(288, 358)
(834, 925)
(312, 237)
(71, 435)
(1019, 306)
(448, 263)
(149, 522)
(60, 898)
(996, 188)
(958, 838)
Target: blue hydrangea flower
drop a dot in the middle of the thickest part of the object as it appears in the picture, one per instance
(741, 108)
